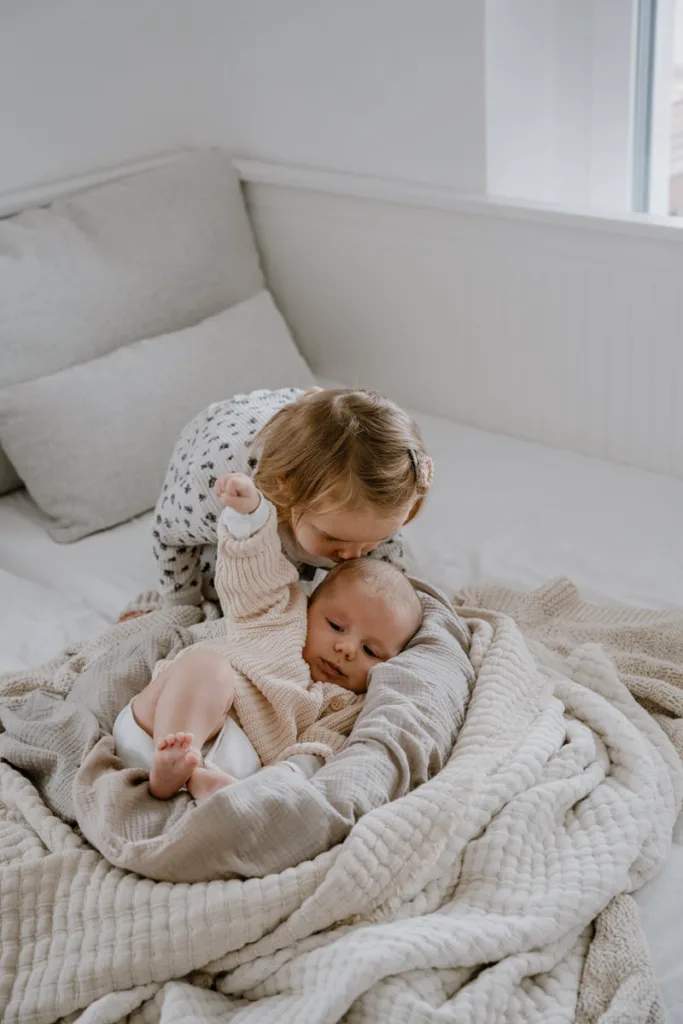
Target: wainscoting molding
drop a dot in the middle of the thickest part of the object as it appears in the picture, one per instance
(548, 325)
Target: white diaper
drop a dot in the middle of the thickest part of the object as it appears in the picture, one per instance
(231, 751)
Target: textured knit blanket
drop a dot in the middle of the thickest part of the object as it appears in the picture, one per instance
(488, 885)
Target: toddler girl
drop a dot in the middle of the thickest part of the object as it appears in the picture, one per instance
(344, 469)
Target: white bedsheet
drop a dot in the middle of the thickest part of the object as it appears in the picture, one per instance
(518, 514)
(71, 590)
(500, 510)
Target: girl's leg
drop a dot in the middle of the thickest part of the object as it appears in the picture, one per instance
(182, 708)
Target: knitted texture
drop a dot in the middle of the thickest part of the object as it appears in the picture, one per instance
(497, 888)
(645, 645)
(147, 601)
(216, 442)
(263, 636)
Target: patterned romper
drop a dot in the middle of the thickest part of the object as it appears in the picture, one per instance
(216, 442)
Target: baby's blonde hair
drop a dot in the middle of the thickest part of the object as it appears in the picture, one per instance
(346, 449)
(382, 579)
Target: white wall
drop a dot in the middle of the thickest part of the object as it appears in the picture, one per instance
(407, 89)
(383, 87)
(519, 54)
(86, 84)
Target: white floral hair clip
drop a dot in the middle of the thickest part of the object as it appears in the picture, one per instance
(423, 467)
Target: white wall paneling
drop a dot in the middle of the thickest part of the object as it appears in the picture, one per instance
(549, 326)
(539, 323)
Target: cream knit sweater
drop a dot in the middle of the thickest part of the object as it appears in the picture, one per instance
(280, 708)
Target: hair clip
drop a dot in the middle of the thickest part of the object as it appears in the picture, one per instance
(423, 467)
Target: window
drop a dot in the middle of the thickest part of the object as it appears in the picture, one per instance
(676, 159)
(646, 25)
(658, 111)
(584, 103)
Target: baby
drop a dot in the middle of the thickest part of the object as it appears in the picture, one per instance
(282, 664)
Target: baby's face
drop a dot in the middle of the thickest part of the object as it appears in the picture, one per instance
(350, 630)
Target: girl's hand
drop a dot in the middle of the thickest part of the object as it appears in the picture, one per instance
(238, 491)
(132, 615)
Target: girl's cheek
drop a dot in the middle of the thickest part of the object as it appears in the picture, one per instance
(308, 541)
(300, 535)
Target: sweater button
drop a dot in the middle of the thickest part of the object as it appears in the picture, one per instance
(336, 704)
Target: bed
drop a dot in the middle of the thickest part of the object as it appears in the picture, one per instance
(614, 530)
(623, 544)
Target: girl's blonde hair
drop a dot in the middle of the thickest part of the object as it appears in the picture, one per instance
(346, 449)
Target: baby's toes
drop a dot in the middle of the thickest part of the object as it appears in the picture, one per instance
(166, 742)
(193, 757)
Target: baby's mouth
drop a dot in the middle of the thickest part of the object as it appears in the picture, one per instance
(332, 669)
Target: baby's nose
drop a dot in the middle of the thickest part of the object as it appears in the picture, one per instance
(345, 647)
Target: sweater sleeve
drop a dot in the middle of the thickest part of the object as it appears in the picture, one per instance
(265, 632)
(256, 582)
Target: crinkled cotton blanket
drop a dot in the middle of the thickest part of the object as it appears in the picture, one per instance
(513, 777)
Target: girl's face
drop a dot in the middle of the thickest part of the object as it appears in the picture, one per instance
(343, 534)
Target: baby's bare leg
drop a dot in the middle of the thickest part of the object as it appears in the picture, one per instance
(182, 708)
(204, 782)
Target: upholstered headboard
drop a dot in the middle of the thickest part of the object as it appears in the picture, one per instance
(125, 309)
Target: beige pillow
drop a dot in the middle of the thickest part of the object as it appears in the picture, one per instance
(151, 253)
(92, 443)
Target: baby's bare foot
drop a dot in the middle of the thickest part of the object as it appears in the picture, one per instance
(174, 761)
(204, 782)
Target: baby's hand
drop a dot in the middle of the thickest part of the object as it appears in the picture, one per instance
(238, 491)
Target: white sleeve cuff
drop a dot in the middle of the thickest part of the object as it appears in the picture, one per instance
(241, 525)
(306, 764)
